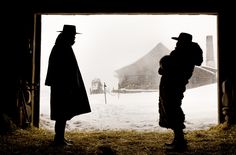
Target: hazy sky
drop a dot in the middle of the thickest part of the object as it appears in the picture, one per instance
(110, 42)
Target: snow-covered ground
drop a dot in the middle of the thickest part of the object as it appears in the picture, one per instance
(137, 111)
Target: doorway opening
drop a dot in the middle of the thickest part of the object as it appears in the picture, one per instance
(112, 43)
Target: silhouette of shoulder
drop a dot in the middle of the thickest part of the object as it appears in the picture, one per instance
(197, 54)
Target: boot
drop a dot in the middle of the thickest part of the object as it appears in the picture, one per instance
(61, 141)
(178, 146)
(60, 133)
(68, 142)
(179, 143)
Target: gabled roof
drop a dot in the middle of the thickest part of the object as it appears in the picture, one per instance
(150, 60)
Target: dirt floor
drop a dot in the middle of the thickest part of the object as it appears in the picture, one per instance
(218, 140)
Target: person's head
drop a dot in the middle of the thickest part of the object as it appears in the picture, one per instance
(68, 33)
(183, 38)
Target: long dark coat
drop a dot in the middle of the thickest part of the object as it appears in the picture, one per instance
(68, 93)
(176, 69)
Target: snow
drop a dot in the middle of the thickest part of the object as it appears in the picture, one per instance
(137, 111)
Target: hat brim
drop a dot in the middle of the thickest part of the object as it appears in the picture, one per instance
(175, 38)
(75, 32)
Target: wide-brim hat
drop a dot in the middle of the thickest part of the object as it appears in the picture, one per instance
(183, 36)
(69, 29)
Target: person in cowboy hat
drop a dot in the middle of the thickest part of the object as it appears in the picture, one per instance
(68, 95)
(176, 69)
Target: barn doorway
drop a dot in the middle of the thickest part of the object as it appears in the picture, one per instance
(108, 44)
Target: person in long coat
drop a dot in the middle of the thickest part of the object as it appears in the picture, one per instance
(176, 69)
(68, 94)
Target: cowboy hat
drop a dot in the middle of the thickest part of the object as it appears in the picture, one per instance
(183, 36)
(69, 29)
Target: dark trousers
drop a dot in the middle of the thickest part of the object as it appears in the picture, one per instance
(179, 135)
(60, 130)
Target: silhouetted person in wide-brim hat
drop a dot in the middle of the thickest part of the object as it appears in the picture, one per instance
(68, 94)
(176, 69)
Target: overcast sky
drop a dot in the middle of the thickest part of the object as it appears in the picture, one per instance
(110, 42)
